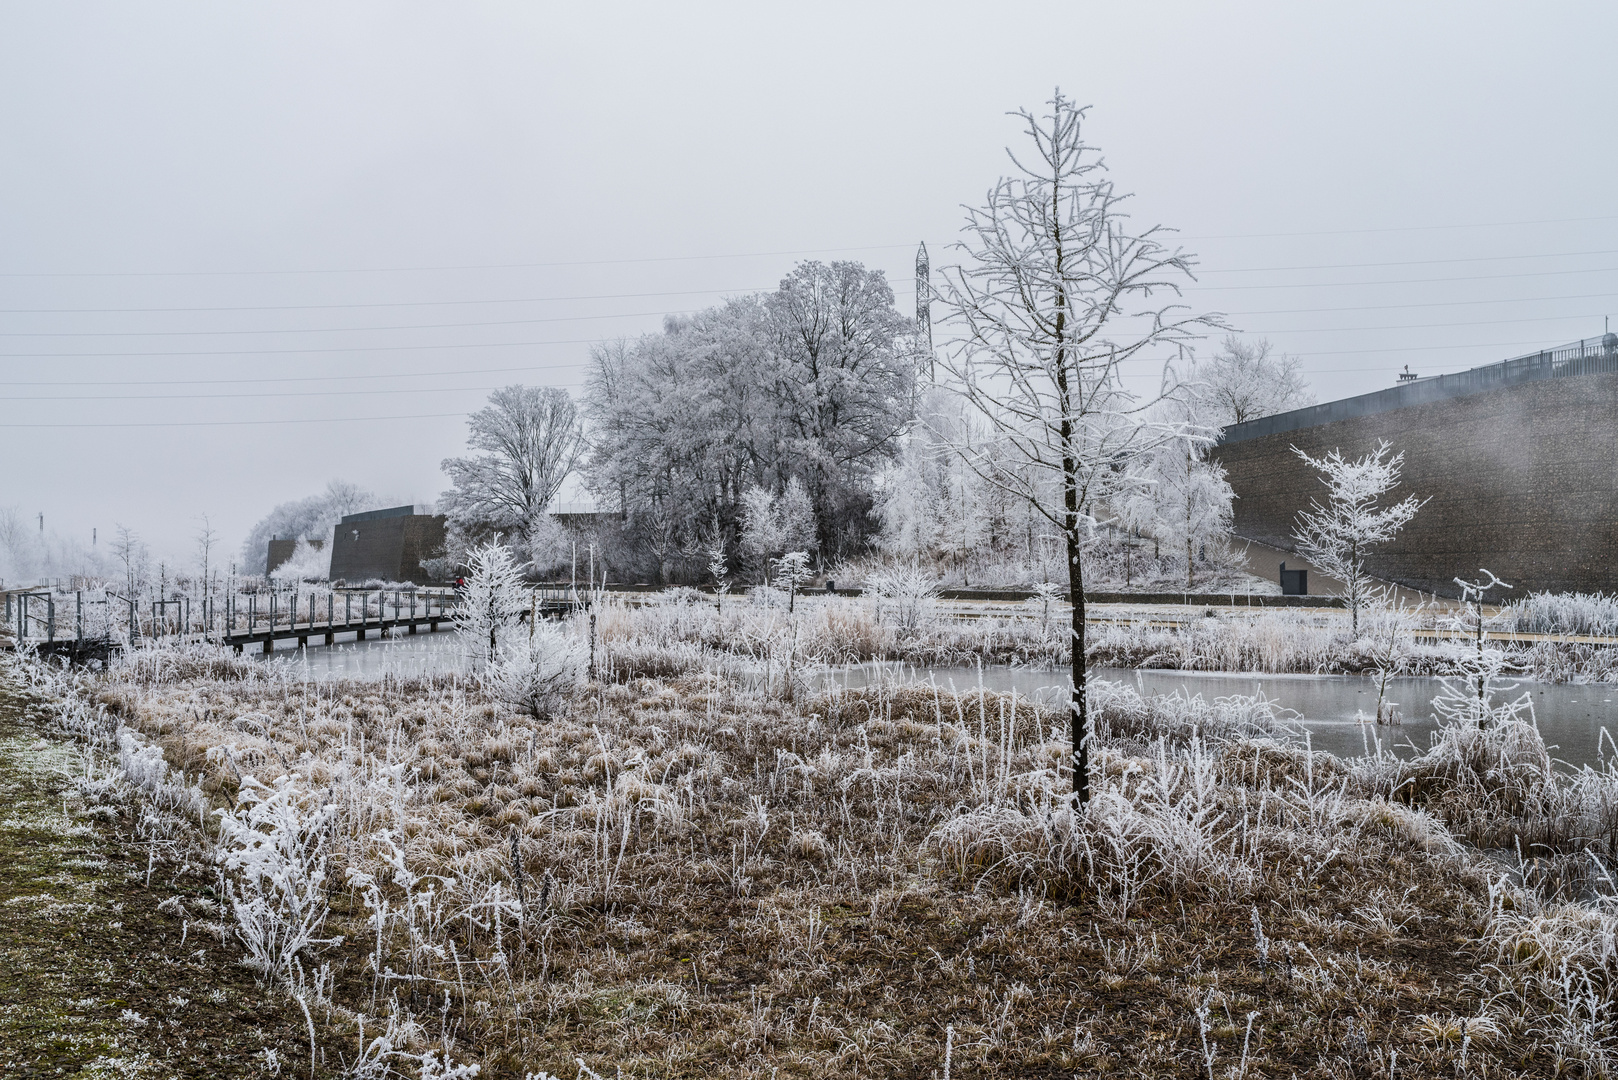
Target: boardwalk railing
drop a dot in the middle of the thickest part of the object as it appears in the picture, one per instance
(106, 616)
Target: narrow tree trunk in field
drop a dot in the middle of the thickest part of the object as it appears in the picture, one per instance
(1079, 703)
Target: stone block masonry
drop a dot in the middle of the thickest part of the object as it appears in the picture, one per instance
(1522, 480)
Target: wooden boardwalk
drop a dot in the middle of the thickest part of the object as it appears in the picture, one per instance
(68, 628)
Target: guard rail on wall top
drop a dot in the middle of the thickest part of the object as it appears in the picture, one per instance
(1589, 356)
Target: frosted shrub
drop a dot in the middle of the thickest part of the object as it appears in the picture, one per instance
(907, 593)
(537, 673)
(143, 765)
(277, 848)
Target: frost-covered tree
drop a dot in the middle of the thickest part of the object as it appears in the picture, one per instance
(845, 361)
(1248, 379)
(813, 382)
(799, 531)
(311, 518)
(1338, 534)
(491, 603)
(527, 440)
(1058, 299)
(907, 503)
(134, 560)
(793, 569)
(307, 563)
(1178, 497)
(762, 535)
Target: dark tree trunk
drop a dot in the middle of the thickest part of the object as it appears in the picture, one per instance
(1079, 702)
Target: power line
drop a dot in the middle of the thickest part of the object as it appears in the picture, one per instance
(1404, 228)
(1410, 262)
(644, 314)
(305, 351)
(1199, 287)
(547, 367)
(244, 423)
(326, 329)
(468, 266)
(692, 292)
(746, 255)
(377, 304)
(261, 394)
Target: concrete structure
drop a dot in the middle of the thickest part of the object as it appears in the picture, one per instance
(281, 551)
(385, 545)
(1519, 461)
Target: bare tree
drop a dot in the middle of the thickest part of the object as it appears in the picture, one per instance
(1338, 535)
(1058, 294)
(207, 538)
(128, 549)
(530, 440)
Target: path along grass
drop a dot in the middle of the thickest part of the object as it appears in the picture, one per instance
(106, 970)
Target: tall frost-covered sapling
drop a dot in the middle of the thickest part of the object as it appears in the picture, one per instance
(491, 604)
(797, 516)
(1469, 696)
(762, 534)
(794, 568)
(1337, 535)
(718, 565)
(1061, 296)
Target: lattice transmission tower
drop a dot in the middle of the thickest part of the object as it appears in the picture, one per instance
(924, 304)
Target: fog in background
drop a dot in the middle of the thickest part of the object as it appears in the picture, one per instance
(244, 250)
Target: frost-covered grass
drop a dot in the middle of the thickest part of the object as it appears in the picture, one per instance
(699, 872)
(1564, 613)
(684, 631)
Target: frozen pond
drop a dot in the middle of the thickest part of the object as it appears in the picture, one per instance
(404, 656)
(1570, 715)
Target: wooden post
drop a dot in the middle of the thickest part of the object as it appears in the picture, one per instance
(50, 616)
(78, 628)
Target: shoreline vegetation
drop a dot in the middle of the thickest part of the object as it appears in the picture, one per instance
(698, 862)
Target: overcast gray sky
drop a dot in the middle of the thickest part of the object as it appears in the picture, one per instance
(248, 248)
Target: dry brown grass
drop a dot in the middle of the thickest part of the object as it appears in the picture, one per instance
(722, 882)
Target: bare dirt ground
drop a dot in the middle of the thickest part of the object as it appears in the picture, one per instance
(101, 973)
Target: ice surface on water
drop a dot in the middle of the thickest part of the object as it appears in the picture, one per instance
(1569, 715)
(405, 656)
(1568, 719)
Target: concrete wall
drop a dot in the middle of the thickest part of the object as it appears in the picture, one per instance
(390, 548)
(1522, 480)
(282, 550)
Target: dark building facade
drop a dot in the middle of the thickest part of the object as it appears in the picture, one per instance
(1519, 462)
(386, 545)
